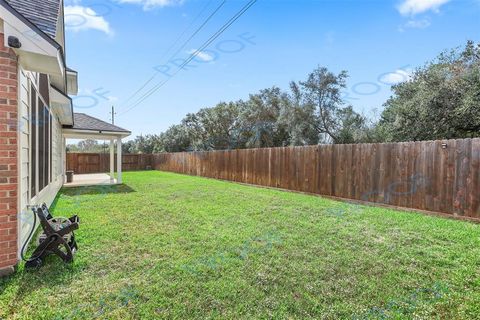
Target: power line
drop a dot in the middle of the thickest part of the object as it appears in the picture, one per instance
(199, 29)
(193, 55)
(185, 30)
(183, 45)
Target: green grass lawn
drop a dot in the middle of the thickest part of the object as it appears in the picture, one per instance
(172, 246)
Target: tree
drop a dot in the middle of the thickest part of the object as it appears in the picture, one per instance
(322, 89)
(440, 101)
(215, 128)
(72, 148)
(297, 117)
(260, 115)
(175, 139)
(89, 145)
(129, 147)
(322, 102)
(145, 144)
(352, 127)
(311, 112)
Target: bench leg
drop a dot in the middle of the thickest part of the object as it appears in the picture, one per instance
(52, 244)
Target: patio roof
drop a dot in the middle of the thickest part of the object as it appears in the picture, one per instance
(88, 127)
(85, 126)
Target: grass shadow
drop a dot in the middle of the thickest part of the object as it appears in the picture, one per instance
(91, 190)
(52, 275)
(100, 189)
(54, 272)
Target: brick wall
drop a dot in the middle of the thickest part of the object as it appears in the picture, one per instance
(8, 158)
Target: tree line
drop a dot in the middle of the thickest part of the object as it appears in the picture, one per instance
(440, 100)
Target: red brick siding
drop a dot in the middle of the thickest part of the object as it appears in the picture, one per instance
(8, 157)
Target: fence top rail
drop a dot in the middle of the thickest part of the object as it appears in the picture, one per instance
(402, 143)
(107, 153)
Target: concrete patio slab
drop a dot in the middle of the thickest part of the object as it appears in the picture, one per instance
(95, 179)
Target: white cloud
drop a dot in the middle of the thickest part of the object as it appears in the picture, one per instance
(201, 55)
(112, 99)
(396, 77)
(418, 24)
(413, 7)
(415, 24)
(79, 18)
(150, 4)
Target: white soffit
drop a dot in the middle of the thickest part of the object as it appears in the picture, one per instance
(72, 82)
(92, 134)
(62, 106)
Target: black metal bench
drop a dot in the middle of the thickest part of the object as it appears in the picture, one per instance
(57, 237)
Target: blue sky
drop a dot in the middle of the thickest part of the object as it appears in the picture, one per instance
(117, 45)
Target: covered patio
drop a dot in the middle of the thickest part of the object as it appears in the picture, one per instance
(91, 179)
(88, 127)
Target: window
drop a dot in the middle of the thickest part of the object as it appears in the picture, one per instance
(51, 150)
(46, 148)
(41, 144)
(33, 142)
(43, 87)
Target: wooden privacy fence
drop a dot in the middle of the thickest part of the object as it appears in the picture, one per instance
(440, 176)
(82, 163)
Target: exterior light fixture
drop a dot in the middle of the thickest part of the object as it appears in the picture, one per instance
(444, 146)
(14, 42)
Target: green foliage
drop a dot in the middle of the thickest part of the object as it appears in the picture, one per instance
(322, 92)
(351, 127)
(310, 113)
(129, 147)
(440, 101)
(297, 118)
(212, 128)
(260, 125)
(88, 145)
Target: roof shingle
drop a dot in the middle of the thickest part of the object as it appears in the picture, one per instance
(43, 13)
(86, 122)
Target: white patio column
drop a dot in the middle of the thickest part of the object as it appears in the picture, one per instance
(64, 159)
(112, 160)
(119, 160)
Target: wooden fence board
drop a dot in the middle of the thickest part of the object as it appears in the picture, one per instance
(82, 163)
(474, 180)
(420, 175)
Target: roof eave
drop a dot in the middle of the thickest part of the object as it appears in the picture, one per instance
(62, 106)
(32, 26)
(72, 82)
(38, 52)
(75, 133)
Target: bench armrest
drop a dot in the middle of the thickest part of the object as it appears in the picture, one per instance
(74, 226)
(75, 219)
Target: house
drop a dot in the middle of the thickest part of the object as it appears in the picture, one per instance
(36, 117)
